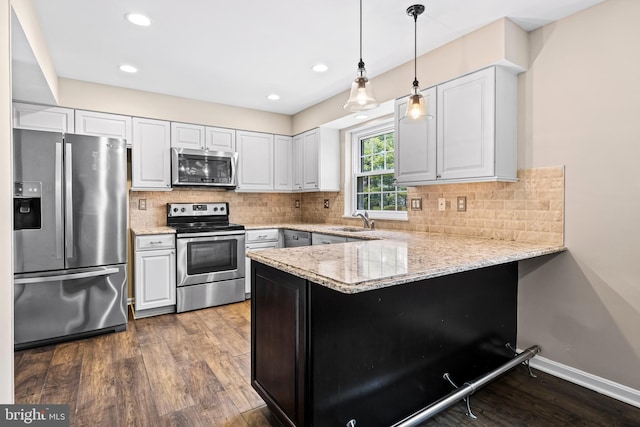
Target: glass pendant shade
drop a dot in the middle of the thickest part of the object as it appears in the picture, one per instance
(361, 97)
(416, 106)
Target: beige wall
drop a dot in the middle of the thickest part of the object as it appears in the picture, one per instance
(6, 220)
(579, 107)
(110, 99)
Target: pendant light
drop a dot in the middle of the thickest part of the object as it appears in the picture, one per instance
(361, 96)
(416, 105)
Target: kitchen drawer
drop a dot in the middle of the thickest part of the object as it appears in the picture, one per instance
(326, 239)
(271, 234)
(155, 241)
(295, 238)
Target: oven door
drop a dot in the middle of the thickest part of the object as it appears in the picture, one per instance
(206, 257)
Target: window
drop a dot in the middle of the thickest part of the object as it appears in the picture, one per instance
(373, 173)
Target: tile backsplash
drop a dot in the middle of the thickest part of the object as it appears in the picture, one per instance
(531, 209)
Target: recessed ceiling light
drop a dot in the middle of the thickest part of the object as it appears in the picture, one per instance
(361, 117)
(138, 19)
(273, 97)
(320, 68)
(128, 68)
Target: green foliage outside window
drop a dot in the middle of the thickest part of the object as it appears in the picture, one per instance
(374, 181)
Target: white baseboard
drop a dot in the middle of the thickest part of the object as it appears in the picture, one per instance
(592, 382)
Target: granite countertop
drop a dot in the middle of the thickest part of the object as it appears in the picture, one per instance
(389, 258)
(160, 229)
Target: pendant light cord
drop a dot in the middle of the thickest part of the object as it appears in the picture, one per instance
(415, 48)
(361, 63)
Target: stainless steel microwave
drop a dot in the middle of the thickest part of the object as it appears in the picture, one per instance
(196, 168)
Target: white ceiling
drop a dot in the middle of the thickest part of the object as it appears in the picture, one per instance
(238, 52)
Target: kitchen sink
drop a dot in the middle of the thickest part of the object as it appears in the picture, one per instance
(350, 229)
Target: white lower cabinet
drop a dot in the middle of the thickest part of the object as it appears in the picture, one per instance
(155, 275)
(259, 240)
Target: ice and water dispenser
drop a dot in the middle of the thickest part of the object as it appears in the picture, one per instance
(27, 202)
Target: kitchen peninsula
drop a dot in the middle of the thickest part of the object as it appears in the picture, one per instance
(365, 330)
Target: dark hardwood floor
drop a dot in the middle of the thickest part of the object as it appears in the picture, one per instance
(193, 369)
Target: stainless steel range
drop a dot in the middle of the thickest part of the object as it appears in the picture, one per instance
(210, 255)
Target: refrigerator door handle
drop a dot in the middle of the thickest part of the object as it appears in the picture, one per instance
(58, 200)
(69, 200)
(70, 276)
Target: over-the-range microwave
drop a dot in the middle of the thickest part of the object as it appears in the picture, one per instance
(195, 168)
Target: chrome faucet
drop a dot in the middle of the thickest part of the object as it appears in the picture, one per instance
(364, 216)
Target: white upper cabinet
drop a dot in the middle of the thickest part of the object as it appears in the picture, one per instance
(104, 124)
(415, 148)
(42, 117)
(184, 135)
(297, 162)
(197, 137)
(321, 160)
(477, 117)
(255, 161)
(283, 165)
(150, 155)
(220, 139)
(476, 134)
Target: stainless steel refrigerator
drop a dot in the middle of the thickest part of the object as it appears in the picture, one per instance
(70, 252)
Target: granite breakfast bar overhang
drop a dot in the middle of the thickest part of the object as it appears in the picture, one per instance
(365, 330)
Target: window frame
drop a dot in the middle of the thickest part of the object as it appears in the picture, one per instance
(357, 135)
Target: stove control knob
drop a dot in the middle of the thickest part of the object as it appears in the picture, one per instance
(175, 209)
(221, 208)
(215, 209)
(183, 210)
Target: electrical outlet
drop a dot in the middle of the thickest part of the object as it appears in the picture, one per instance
(462, 203)
(442, 204)
(297, 203)
(142, 204)
(326, 203)
(416, 204)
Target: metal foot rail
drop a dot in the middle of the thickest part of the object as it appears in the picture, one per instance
(466, 389)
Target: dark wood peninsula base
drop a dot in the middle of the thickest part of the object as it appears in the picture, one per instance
(321, 358)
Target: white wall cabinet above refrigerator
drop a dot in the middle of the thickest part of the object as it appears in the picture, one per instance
(475, 132)
(43, 117)
(198, 137)
(151, 155)
(104, 124)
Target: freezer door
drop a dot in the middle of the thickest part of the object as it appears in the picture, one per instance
(68, 304)
(95, 201)
(37, 171)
